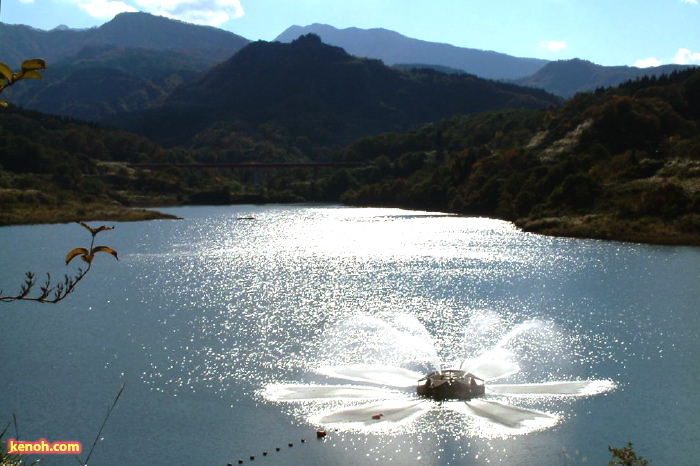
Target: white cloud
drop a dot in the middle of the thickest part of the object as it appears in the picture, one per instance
(694, 2)
(683, 57)
(209, 12)
(553, 45)
(647, 62)
(686, 57)
(104, 9)
(26, 1)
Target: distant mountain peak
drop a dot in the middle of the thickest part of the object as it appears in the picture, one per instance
(135, 30)
(394, 48)
(567, 77)
(310, 38)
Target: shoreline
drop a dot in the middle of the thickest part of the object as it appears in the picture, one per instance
(651, 231)
(645, 230)
(112, 214)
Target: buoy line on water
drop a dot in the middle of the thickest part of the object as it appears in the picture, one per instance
(320, 434)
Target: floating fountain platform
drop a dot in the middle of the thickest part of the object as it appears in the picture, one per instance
(450, 384)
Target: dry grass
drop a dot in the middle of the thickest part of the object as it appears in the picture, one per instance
(31, 213)
(648, 230)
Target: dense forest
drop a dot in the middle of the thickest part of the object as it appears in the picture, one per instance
(618, 163)
(56, 169)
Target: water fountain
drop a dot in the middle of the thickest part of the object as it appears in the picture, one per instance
(384, 359)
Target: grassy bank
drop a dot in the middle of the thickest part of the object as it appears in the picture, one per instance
(71, 211)
(647, 230)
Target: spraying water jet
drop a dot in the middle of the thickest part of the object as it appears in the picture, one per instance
(385, 396)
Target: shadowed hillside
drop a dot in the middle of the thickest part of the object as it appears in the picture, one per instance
(105, 80)
(317, 98)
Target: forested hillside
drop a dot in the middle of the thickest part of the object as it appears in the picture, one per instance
(102, 81)
(622, 163)
(55, 169)
(311, 99)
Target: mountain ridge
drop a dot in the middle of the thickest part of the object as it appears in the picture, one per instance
(210, 46)
(567, 77)
(562, 77)
(394, 48)
(141, 30)
(314, 92)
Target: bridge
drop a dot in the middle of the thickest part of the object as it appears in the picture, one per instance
(257, 167)
(248, 166)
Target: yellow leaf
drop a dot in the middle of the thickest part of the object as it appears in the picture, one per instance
(29, 74)
(77, 252)
(97, 249)
(6, 71)
(3, 103)
(34, 64)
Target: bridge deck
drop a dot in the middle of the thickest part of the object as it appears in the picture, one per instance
(249, 166)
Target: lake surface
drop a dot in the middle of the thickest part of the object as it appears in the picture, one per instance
(200, 315)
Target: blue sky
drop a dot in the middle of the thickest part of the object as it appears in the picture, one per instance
(607, 32)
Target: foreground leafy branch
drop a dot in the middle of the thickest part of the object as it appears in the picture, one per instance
(28, 70)
(49, 293)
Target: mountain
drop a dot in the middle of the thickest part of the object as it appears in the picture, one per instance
(314, 98)
(127, 64)
(563, 78)
(393, 48)
(567, 77)
(137, 30)
(100, 81)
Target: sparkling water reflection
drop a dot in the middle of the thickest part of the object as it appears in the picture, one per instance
(201, 314)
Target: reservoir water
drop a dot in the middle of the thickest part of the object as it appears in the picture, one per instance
(202, 316)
